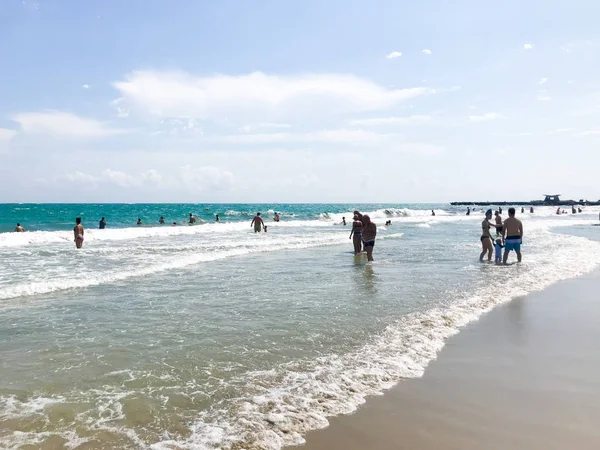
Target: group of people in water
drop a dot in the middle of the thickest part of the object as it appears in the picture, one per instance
(509, 236)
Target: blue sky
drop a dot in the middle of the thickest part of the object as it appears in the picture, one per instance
(314, 101)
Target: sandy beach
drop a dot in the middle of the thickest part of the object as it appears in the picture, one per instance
(525, 376)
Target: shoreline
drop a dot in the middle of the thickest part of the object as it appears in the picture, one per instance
(526, 375)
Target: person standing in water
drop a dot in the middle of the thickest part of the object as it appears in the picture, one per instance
(512, 235)
(276, 218)
(486, 238)
(257, 223)
(344, 221)
(139, 222)
(498, 223)
(369, 235)
(19, 228)
(432, 212)
(78, 233)
(161, 220)
(468, 210)
(216, 217)
(102, 224)
(531, 210)
(356, 234)
(192, 219)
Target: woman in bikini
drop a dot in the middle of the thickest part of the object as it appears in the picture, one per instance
(356, 234)
(78, 232)
(486, 238)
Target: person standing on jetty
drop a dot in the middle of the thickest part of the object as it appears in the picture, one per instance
(512, 235)
(356, 234)
(369, 235)
(78, 232)
(486, 238)
(257, 223)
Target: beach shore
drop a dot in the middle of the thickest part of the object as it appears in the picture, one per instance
(525, 376)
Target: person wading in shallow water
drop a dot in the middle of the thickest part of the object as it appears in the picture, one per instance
(369, 235)
(78, 232)
(512, 235)
(356, 234)
(257, 223)
(486, 239)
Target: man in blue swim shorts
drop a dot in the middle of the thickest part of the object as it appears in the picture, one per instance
(512, 235)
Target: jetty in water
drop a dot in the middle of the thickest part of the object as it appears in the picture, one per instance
(549, 200)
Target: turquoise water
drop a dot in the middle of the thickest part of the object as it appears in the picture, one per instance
(210, 336)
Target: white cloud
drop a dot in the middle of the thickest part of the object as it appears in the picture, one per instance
(419, 148)
(338, 136)
(427, 51)
(543, 81)
(261, 126)
(486, 117)
(376, 121)
(589, 133)
(6, 134)
(344, 136)
(120, 178)
(120, 109)
(206, 178)
(86, 86)
(393, 55)
(543, 97)
(117, 177)
(528, 46)
(81, 177)
(256, 96)
(63, 125)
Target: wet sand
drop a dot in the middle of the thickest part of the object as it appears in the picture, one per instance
(525, 376)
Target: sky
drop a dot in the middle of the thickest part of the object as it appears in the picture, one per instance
(298, 101)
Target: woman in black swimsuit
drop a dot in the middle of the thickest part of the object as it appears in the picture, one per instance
(486, 239)
(356, 234)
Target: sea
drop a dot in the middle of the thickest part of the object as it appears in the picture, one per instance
(209, 336)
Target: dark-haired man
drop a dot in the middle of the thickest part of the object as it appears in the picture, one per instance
(512, 235)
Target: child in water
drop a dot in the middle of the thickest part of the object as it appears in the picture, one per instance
(498, 248)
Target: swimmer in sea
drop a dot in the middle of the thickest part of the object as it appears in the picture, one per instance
(432, 212)
(344, 221)
(192, 219)
(19, 228)
(276, 218)
(162, 220)
(486, 238)
(102, 224)
(139, 222)
(257, 223)
(78, 232)
(216, 218)
(356, 234)
(369, 235)
(468, 211)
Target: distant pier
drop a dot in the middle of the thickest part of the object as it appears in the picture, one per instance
(549, 200)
